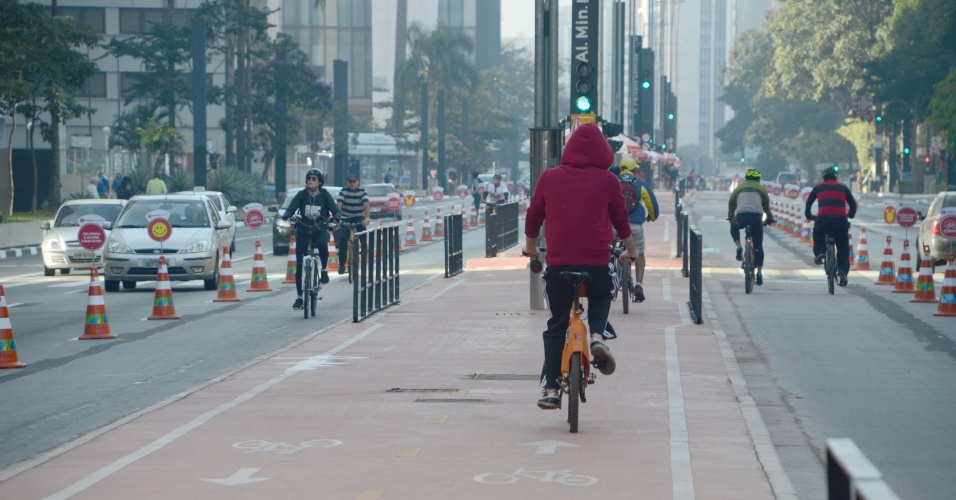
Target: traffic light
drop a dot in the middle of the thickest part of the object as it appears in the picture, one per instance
(646, 79)
(906, 150)
(879, 118)
(584, 89)
(926, 160)
(743, 160)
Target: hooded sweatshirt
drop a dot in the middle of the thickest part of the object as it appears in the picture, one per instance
(580, 200)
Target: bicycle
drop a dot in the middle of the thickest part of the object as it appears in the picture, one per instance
(748, 266)
(830, 263)
(351, 266)
(311, 284)
(623, 272)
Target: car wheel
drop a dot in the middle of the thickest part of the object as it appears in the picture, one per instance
(129, 285)
(232, 246)
(111, 285)
(919, 255)
(212, 283)
(48, 272)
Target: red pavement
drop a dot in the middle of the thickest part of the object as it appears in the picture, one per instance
(435, 398)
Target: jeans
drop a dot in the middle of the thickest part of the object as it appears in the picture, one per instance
(320, 241)
(755, 221)
(839, 227)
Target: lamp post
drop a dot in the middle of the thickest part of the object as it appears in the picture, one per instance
(107, 161)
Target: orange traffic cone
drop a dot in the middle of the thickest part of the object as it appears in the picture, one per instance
(227, 283)
(804, 230)
(291, 263)
(426, 228)
(332, 263)
(924, 284)
(97, 324)
(904, 274)
(862, 254)
(410, 233)
(849, 247)
(886, 268)
(947, 300)
(483, 217)
(472, 216)
(8, 348)
(260, 280)
(439, 225)
(163, 307)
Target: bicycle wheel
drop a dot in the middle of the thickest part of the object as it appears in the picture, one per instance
(351, 261)
(306, 286)
(314, 296)
(749, 268)
(830, 265)
(574, 390)
(625, 272)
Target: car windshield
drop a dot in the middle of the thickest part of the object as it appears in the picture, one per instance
(288, 198)
(182, 213)
(69, 214)
(379, 190)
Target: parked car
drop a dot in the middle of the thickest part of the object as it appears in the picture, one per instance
(788, 178)
(193, 250)
(282, 230)
(226, 211)
(929, 230)
(60, 248)
(378, 201)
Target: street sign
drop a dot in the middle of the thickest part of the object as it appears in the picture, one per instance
(936, 144)
(889, 214)
(907, 217)
(255, 219)
(462, 191)
(159, 229)
(947, 225)
(393, 202)
(91, 236)
(580, 119)
(437, 195)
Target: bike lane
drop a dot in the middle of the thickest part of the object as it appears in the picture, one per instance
(435, 398)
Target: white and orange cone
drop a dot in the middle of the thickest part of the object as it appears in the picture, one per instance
(426, 228)
(97, 323)
(290, 263)
(8, 348)
(904, 272)
(439, 225)
(925, 292)
(163, 307)
(947, 299)
(227, 282)
(332, 262)
(410, 233)
(886, 267)
(472, 216)
(862, 262)
(849, 247)
(260, 279)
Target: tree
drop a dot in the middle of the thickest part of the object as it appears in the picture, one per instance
(159, 140)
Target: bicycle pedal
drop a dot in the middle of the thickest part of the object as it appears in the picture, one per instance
(592, 378)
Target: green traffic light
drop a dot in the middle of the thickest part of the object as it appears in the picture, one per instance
(879, 118)
(583, 104)
(906, 150)
(742, 159)
(664, 147)
(670, 116)
(646, 85)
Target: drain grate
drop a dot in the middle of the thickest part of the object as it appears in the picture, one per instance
(399, 389)
(503, 376)
(437, 400)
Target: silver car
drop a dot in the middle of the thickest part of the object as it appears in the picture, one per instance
(60, 248)
(193, 250)
(227, 211)
(929, 231)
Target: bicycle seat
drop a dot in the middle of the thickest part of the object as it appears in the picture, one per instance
(582, 276)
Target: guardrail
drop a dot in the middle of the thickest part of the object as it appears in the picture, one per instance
(501, 229)
(684, 237)
(454, 259)
(679, 215)
(376, 281)
(851, 476)
(696, 275)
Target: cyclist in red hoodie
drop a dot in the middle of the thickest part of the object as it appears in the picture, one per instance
(580, 200)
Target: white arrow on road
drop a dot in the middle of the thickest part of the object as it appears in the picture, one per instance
(547, 447)
(242, 476)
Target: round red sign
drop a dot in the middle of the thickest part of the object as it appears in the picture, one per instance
(159, 229)
(462, 192)
(794, 194)
(907, 217)
(437, 195)
(947, 225)
(91, 236)
(777, 191)
(255, 219)
(393, 203)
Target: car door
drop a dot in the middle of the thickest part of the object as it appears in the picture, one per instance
(221, 235)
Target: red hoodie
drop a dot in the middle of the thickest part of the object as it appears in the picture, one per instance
(580, 200)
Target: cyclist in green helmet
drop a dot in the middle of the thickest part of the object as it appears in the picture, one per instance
(748, 204)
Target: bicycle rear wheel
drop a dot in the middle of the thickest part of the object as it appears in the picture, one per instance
(830, 265)
(307, 277)
(316, 286)
(625, 272)
(352, 262)
(749, 268)
(574, 390)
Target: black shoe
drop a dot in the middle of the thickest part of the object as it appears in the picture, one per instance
(842, 277)
(297, 305)
(601, 357)
(759, 280)
(638, 293)
(740, 254)
(550, 400)
(818, 260)
(325, 277)
(341, 269)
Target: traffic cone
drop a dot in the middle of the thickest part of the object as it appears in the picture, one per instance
(8, 348)
(332, 263)
(862, 262)
(291, 263)
(472, 216)
(804, 230)
(163, 307)
(904, 273)
(227, 284)
(410, 233)
(260, 280)
(483, 217)
(439, 225)
(886, 268)
(947, 300)
(426, 228)
(97, 324)
(924, 284)
(849, 247)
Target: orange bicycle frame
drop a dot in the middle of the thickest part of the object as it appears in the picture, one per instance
(577, 339)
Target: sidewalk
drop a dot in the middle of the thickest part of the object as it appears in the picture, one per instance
(435, 398)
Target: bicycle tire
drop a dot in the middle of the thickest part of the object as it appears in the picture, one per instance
(574, 390)
(625, 271)
(306, 286)
(749, 268)
(830, 265)
(351, 262)
(314, 296)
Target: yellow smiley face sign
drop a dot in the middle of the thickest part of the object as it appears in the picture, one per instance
(159, 229)
(889, 214)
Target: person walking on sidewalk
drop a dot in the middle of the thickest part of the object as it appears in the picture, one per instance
(354, 208)
(832, 198)
(746, 207)
(314, 204)
(580, 200)
(644, 207)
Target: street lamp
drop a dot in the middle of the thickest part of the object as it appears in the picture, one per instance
(107, 163)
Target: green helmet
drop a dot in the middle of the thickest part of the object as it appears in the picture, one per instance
(752, 175)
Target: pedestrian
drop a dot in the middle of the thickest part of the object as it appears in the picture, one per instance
(125, 189)
(92, 189)
(389, 176)
(476, 189)
(117, 182)
(497, 192)
(102, 185)
(156, 185)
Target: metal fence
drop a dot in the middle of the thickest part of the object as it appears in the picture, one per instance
(684, 232)
(696, 275)
(501, 229)
(679, 215)
(375, 283)
(454, 259)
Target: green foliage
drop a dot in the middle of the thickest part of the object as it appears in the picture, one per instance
(240, 187)
(179, 180)
(159, 140)
(139, 177)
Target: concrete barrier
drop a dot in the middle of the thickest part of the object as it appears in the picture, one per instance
(20, 234)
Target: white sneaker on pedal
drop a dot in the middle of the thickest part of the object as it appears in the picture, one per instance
(601, 357)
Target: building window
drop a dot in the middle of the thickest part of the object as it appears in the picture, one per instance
(95, 87)
(141, 21)
(127, 81)
(94, 17)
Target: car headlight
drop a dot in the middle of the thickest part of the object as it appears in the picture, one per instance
(53, 244)
(118, 247)
(283, 224)
(196, 247)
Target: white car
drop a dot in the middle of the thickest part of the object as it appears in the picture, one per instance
(60, 248)
(227, 211)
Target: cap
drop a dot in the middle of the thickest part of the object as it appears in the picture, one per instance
(352, 177)
(628, 165)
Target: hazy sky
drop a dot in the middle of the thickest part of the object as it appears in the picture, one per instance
(517, 19)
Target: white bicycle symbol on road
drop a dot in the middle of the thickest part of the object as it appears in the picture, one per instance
(545, 476)
(257, 445)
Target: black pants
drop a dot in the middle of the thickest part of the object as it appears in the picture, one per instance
(839, 227)
(320, 241)
(755, 221)
(477, 198)
(560, 294)
(342, 238)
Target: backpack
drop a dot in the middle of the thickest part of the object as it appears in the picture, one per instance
(630, 191)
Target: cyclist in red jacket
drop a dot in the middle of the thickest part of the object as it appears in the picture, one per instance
(833, 199)
(580, 200)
